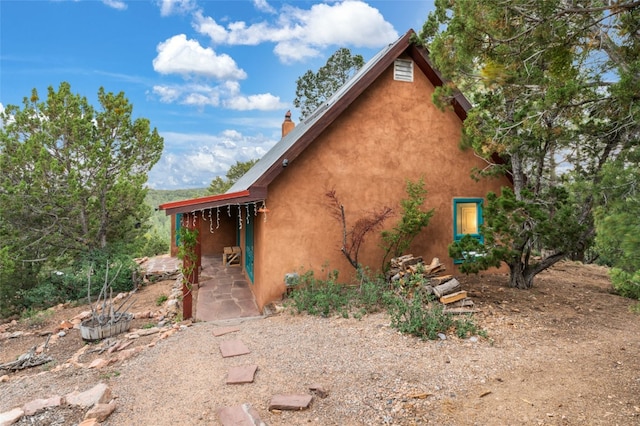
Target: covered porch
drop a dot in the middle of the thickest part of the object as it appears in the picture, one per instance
(223, 292)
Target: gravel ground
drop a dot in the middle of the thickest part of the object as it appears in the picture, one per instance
(563, 353)
(373, 374)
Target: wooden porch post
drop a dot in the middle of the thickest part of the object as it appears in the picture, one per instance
(192, 222)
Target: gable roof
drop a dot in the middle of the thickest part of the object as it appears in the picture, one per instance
(253, 185)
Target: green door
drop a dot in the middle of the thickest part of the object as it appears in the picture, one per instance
(248, 249)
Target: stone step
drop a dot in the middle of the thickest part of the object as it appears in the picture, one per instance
(241, 374)
(236, 347)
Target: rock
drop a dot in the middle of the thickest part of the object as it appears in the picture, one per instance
(61, 334)
(126, 354)
(99, 363)
(442, 336)
(241, 374)
(167, 333)
(89, 422)
(10, 417)
(32, 407)
(4, 378)
(290, 402)
(65, 325)
(239, 415)
(100, 412)
(82, 316)
(319, 390)
(99, 394)
(231, 348)
(473, 339)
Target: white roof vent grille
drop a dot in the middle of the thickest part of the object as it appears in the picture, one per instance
(403, 70)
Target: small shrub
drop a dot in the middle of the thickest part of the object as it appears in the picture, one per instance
(320, 297)
(161, 299)
(414, 311)
(35, 318)
(465, 327)
(325, 297)
(419, 317)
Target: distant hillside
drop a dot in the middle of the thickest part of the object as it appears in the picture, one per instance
(160, 222)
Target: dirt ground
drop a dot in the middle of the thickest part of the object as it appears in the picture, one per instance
(564, 353)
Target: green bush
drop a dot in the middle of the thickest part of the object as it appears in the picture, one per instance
(325, 297)
(415, 315)
(320, 297)
(626, 284)
(411, 308)
(58, 285)
(414, 311)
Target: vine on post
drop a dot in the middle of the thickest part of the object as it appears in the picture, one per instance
(187, 253)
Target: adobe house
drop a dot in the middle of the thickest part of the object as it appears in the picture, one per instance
(378, 131)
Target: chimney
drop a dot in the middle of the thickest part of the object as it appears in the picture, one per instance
(287, 125)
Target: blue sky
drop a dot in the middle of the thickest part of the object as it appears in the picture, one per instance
(214, 77)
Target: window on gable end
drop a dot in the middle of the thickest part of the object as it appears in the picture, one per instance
(403, 70)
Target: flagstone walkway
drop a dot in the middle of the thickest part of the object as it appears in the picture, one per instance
(223, 293)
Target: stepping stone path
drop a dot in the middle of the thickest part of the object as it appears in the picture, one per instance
(245, 415)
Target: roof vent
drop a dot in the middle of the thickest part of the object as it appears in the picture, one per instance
(403, 70)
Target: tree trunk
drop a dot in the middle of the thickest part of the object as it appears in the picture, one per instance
(522, 273)
(520, 276)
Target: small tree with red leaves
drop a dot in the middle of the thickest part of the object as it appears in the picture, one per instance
(352, 239)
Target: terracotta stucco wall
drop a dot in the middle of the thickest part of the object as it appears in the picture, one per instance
(391, 133)
(222, 236)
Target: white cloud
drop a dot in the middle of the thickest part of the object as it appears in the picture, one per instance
(228, 94)
(177, 55)
(208, 26)
(263, 6)
(115, 4)
(301, 33)
(167, 94)
(176, 7)
(196, 159)
(263, 102)
(290, 52)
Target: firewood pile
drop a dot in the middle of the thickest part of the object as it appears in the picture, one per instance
(445, 289)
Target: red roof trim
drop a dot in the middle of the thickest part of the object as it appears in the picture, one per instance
(203, 200)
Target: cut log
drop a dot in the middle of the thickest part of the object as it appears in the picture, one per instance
(435, 271)
(409, 262)
(453, 297)
(463, 303)
(450, 286)
(459, 311)
(436, 281)
(397, 261)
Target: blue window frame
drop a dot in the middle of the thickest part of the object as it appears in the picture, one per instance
(467, 219)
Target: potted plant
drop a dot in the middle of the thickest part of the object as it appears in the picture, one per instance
(106, 319)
